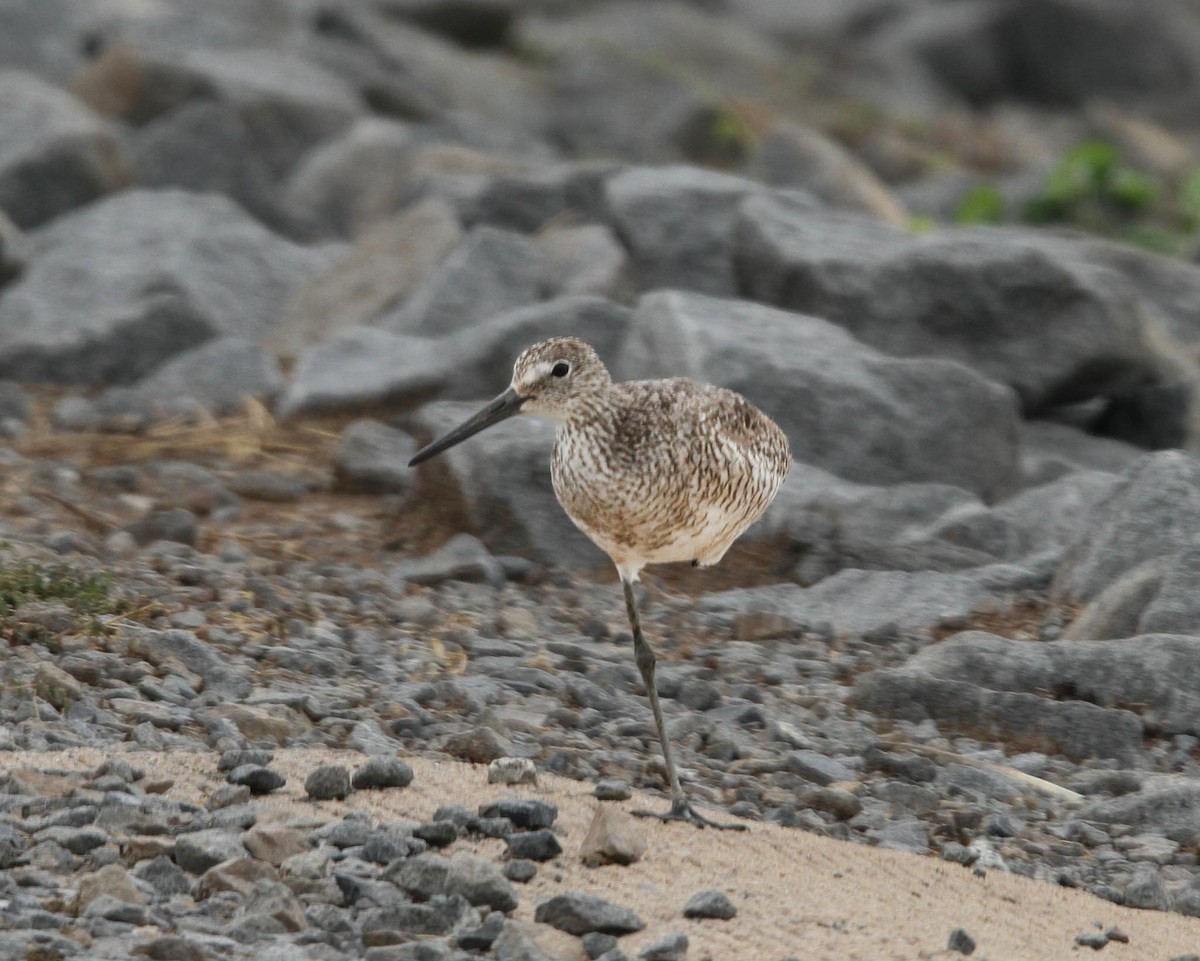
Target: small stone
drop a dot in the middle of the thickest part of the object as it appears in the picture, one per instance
(1092, 939)
(482, 937)
(578, 913)
(612, 789)
(596, 944)
(533, 845)
(673, 947)
(163, 875)
(512, 770)
(421, 877)
(1116, 934)
(274, 843)
(198, 851)
(173, 947)
(260, 780)
(961, 942)
(520, 871)
(227, 795)
(480, 882)
(437, 833)
(480, 745)
(382, 772)
(612, 838)
(237, 874)
(327, 782)
(710, 903)
(236, 757)
(112, 880)
(527, 814)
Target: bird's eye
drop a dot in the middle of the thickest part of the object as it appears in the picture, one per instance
(561, 369)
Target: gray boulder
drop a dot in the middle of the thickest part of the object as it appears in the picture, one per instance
(1050, 450)
(364, 367)
(289, 103)
(388, 261)
(586, 259)
(1169, 806)
(355, 179)
(1159, 673)
(1076, 729)
(1055, 513)
(1153, 512)
(578, 913)
(489, 272)
(677, 223)
(373, 457)
(1053, 328)
(55, 153)
(531, 199)
(117, 288)
(861, 602)
(220, 375)
(503, 478)
(205, 146)
(845, 407)
(1175, 608)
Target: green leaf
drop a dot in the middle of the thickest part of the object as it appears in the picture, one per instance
(1131, 189)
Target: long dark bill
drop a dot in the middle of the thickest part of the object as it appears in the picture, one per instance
(502, 408)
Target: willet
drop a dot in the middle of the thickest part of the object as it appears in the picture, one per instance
(653, 471)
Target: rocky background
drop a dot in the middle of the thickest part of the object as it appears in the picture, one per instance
(253, 252)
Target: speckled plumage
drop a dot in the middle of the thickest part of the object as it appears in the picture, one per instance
(659, 470)
(651, 470)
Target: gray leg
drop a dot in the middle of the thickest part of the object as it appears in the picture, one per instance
(681, 808)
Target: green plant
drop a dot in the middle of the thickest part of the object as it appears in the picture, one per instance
(983, 205)
(1089, 184)
(31, 581)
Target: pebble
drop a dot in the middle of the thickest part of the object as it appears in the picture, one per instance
(260, 780)
(527, 814)
(382, 772)
(330, 781)
(612, 789)
(613, 837)
(533, 845)
(961, 942)
(710, 903)
(578, 913)
(671, 947)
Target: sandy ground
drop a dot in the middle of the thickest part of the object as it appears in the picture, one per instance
(796, 894)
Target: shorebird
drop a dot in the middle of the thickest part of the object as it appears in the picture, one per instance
(653, 471)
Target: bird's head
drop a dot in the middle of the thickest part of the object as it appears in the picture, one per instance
(547, 378)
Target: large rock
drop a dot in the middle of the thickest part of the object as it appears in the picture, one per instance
(1158, 675)
(829, 523)
(1054, 328)
(366, 367)
(55, 154)
(1154, 512)
(503, 478)
(794, 155)
(1175, 608)
(289, 103)
(844, 406)
(354, 180)
(1076, 729)
(220, 375)
(206, 146)
(658, 82)
(1169, 806)
(361, 368)
(861, 602)
(388, 261)
(119, 287)
(491, 271)
(677, 223)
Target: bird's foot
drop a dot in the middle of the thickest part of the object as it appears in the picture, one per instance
(682, 810)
